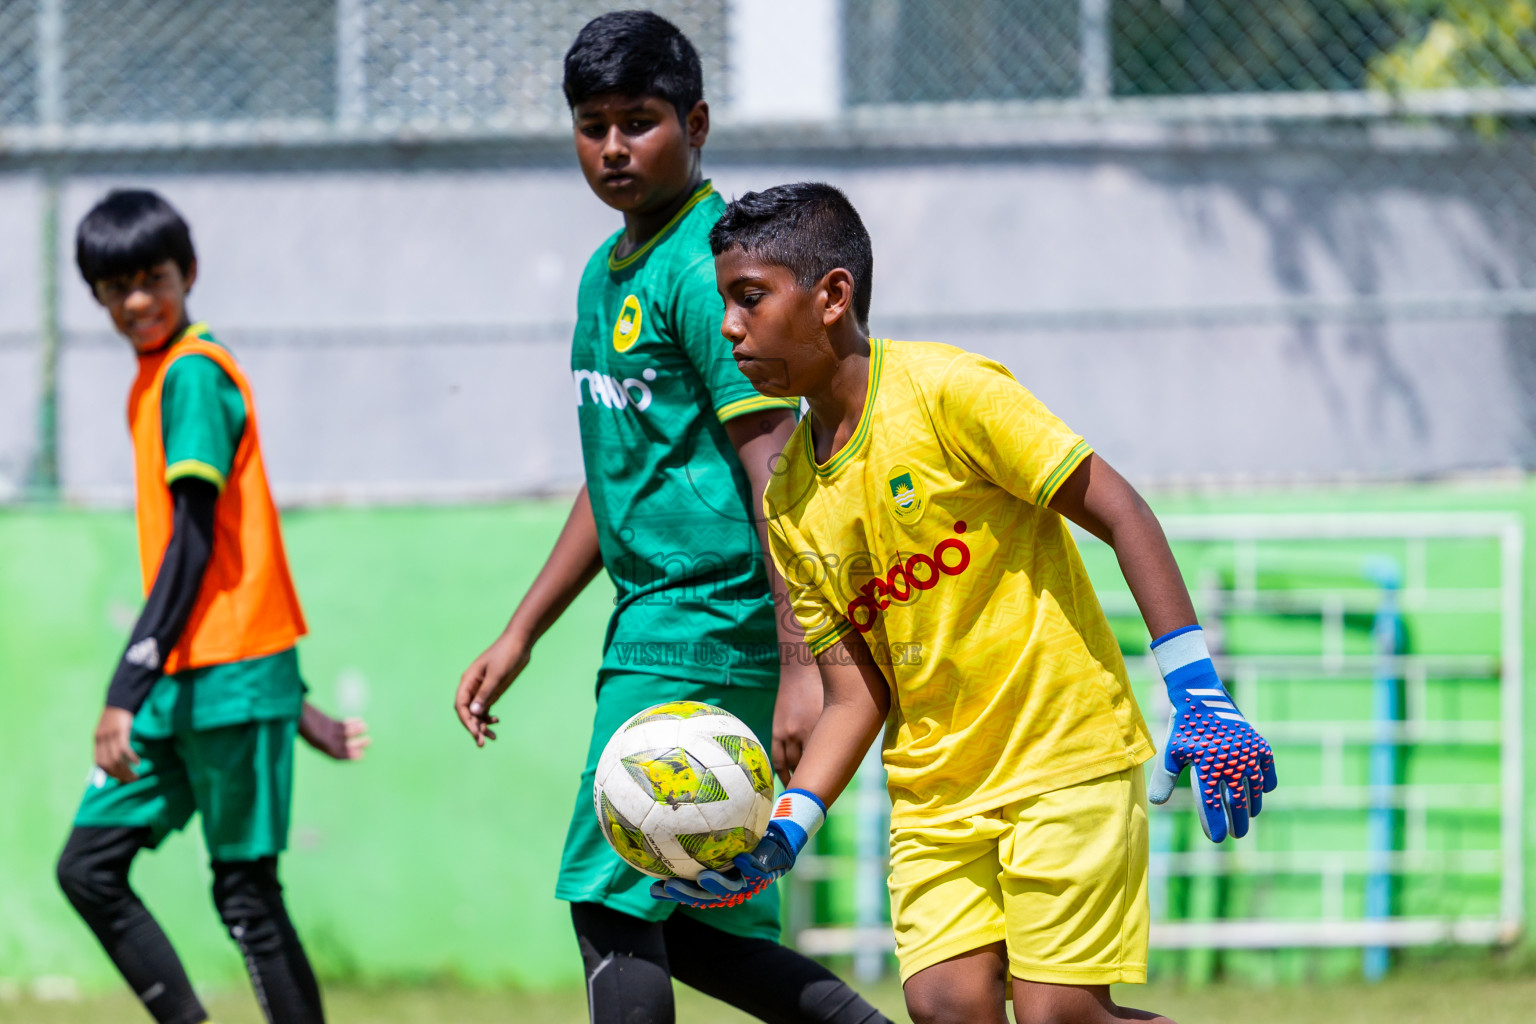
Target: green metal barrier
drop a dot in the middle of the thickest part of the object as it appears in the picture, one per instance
(1282, 582)
(434, 859)
(430, 858)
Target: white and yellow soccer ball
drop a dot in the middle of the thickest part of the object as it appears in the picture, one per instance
(681, 787)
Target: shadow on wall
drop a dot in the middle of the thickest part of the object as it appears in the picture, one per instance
(1346, 218)
(1520, 350)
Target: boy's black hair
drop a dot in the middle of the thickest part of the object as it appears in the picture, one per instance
(129, 231)
(634, 53)
(810, 228)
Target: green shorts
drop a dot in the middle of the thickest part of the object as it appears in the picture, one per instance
(590, 872)
(240, 777)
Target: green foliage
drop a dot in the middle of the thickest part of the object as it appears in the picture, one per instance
(1461, 44)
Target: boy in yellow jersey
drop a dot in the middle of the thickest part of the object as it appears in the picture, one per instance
(919, 516)
(206, 700)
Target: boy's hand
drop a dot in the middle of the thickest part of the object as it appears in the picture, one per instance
(114, 750)
(343, 740)
(483, 683)
(794, 715)
(796, 818)
(1230, 765)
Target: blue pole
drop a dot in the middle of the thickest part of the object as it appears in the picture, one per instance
(1386, 713)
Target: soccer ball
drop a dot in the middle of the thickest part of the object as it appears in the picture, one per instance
(681, 787)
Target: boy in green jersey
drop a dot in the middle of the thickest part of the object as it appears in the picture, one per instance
(677, 447)
(206, 700)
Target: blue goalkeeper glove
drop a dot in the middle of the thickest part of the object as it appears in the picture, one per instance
(1230, 764)
(796, 817)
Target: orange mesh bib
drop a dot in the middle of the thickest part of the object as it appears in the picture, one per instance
(247, 606)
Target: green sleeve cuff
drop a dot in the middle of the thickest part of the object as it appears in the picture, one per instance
(1064, 469)
(192, 467)
(742, 406)
(824, 640)
(202, 414)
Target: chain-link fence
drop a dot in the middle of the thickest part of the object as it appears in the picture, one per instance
(300, 68)
(394, 65)
(1333, 191)
(995, 50)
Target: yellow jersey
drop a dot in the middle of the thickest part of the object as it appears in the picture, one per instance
(929, 534)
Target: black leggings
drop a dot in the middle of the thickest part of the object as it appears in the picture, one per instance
(250, 903)
(93, 872)
(630, 965)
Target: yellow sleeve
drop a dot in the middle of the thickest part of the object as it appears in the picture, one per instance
(1003, 432)
(806, 579)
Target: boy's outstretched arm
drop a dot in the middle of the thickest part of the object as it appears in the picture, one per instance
(1100, 500)
(160, 624)
(575, 561)
(759, 440)
(1231, 765)
(857, 699)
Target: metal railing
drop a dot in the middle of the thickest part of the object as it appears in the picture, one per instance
(1333, 793)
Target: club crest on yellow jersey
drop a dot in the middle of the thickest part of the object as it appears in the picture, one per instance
(626, 329)
(906, 496)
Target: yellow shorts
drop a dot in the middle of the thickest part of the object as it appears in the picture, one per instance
(1061, 878)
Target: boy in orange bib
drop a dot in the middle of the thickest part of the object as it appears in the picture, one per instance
(204, 705)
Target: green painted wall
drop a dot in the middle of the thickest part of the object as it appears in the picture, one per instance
(431, 858)
(1287, 827)
(1329, 565)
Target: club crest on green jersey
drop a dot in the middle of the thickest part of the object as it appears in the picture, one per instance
(906, 497)
(626, 329)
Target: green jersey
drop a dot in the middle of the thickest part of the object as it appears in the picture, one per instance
(655, 382)
(202, 416)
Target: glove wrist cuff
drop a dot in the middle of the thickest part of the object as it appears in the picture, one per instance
(1180, 649)
(798, 814)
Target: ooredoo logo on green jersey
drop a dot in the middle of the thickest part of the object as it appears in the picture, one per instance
(626, 329)
(906, 496)
(612, 392)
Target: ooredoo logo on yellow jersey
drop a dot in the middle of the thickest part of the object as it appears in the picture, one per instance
(626, 329)
(920, 572)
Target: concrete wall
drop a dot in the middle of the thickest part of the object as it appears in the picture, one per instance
(20, 306)
(406, 325)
